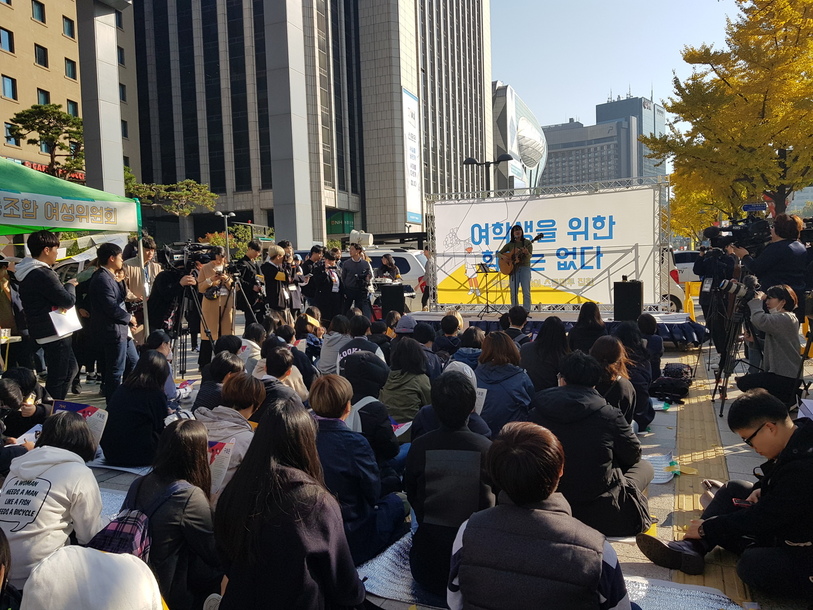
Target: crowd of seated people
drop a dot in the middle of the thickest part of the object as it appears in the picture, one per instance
(489, 447)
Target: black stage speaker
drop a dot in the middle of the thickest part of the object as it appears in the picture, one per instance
(628, 300)
(392, 299)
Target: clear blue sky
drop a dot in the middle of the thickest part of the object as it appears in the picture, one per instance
(563, 58)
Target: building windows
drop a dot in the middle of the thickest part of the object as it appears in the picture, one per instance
(119, 20)
(122, 92)
(6, 40)
(125, 129)
(45, 148)
(126, 161)
(38, 11)
(40, 56)
(9, 87)
(10, 139)
(120, 53)
(5, 2)
(70, 68)
(68, 27)
(43, 96)
(73, 108)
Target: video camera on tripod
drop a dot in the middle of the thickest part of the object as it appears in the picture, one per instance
(751, 233)
(745, 289)
(182, 257)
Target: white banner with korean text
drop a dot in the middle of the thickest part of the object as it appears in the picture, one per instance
(35, 210)
(589, 242)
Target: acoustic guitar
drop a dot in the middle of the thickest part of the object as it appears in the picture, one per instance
(508, 260)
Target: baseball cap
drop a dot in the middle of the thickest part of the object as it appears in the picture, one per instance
(406, 325)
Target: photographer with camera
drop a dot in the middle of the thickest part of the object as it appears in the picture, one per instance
(784, 259)
(713, 266)
(276, 282)
(781, 357)
(218, 305)
(356, 276)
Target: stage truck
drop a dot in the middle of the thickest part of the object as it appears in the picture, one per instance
(590, 239)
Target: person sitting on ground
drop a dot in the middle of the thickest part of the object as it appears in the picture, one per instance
(287, 336)
(427, 418)
(517, 316)
(605, 478)
(781, 359)
(278, 364)
(136, 413)
(509, 389)
(242, 396)
(445, 480)
(61, 487)
(226, 343)
(640, 371)
(222, 366)
(541, 357)
(448, 339)
(371, 522)
(529, 548)
(367, 374)
(407, 388)
(614, 385)
(183, 555)
(253, 337)
(392, 318)
(471, 346)
(379, 336)
(425, 335)
(160, 341)
(10, 596)
(648, 326)
(588, 327)
(278, 529)
(338, 333)
(768, 523)
(360, 331)
(36, 404)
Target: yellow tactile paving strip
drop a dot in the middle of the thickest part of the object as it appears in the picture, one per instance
(699, 446)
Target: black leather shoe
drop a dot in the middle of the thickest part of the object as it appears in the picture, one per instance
(677, 555)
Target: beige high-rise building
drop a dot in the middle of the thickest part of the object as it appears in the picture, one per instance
(40, 63)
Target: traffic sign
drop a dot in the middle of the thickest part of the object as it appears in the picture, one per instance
(754, 207)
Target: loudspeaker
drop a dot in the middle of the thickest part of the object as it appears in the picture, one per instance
(392, 299)
(628, 300)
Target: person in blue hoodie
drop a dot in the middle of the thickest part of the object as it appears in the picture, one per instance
(510, 390)
(448, 339)
(471, 344)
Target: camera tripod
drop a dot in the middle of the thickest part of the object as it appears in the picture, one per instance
(734, 340)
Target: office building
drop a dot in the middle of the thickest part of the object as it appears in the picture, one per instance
(518, 133)
(609, 150)
(60, 52)
(314, 117)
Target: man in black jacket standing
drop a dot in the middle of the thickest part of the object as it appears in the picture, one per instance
(41, 293)
(108, 317)
(249, 296)
(768, 523)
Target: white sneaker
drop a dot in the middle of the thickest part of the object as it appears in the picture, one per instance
(212, 602)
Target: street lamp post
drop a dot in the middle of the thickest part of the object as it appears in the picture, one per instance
(487, 164)
(226, 216)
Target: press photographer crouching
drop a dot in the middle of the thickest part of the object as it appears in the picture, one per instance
(780, 354)
(784, 259)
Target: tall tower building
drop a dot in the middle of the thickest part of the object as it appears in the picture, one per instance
(319, 116)
(64, 52)
(650, 119)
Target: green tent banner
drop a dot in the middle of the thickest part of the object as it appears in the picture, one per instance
(31, 201)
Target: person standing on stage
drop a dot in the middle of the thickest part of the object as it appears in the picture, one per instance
(520, 248)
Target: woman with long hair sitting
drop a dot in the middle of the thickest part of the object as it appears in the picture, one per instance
(175, 497)
(278, 529)
(640, 371)
(540, 358)
(509, 389)
(587, 329)
(136, 413)
(614, 385)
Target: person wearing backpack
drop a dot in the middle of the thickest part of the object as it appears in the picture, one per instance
(63, 495)
(182, 553)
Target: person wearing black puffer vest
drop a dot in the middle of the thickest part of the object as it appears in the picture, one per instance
(41, 293)
(528, 552)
